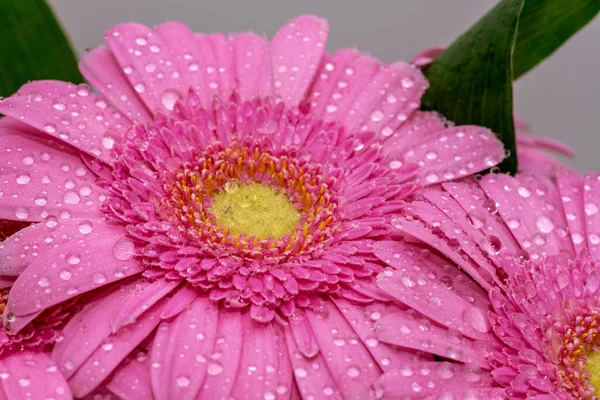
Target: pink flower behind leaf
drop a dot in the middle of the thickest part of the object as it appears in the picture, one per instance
(532, 242)
(224, 213)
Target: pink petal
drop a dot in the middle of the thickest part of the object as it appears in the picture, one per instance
(540, 233)
(482, 217)
(132, 381)
(146, 296)
(101, 69)
(67, 112)
(354, 72)
(302, 334)
(296, 52)
(32, 376)
(591, 196)
(101, 261)
(443, 305)
(182, 349)
(259, 361)
(252, 66)
(148, 64)
(418, 128)
(311, 374)
(454, 153)
(362, 322)
(350, 364)
(222, 367)
(426, 57)
(108, 356)
(414, 380)
(453, 232)
(86, 331)
(387, 101)
(27, 245)
(424, 233)
(403, 330)
(570, 186)
(180, 300)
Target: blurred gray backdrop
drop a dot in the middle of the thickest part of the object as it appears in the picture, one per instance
(560, 98)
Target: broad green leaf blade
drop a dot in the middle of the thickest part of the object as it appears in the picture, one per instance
(32, 46)
(545, 25)
(471, 82)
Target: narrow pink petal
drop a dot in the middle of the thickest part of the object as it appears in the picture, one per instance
(109, 355)
(257, 372)
(389, 99)
(443, 305)
(224, 66)
(32, 376)
(350, 364)
(67, 112)
(311, 374)
(401, 329)
(362, 319)
(252, 66)
(104, 260)
(132, 381)
(147, 295)
(296, 52)
(27, 245)
(15, 325)
(447, 247)
(182, 298)
(426, 57)
(285, 374)
(454, 153)
(570, 186)
(222, 367)
(148, 64)
(101, 69)
(482, 216)
(413, 380)
(86, 331)
(181, 351)
(13, 126)
(540, 233)
(591, 204)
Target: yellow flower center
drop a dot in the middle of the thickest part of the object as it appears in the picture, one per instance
(254, 209)
(592, 366)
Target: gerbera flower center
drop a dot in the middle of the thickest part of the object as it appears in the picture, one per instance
(580, 357)
(254, 209)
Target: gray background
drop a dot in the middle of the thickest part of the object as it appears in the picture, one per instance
(560, 98)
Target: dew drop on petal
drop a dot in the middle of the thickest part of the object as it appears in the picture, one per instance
(124, 249)
(590, 209)
(169, 98)
(214, 368)
(544, 224)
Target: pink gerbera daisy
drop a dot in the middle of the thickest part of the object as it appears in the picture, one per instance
(534, 244)
(26, 370)
(222, 221)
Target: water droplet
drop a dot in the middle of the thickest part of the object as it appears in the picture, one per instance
(353, 372)
(50, 128)
(141, 41)
(140, 87)
(65, 275)
(169, 98)
(124, 249)
(99, 278)
(544, 224)
(24, 382)
(71, 197)
(23, 178)
(85, 227)
(183, 381)
(214, 368)
(73, 258)
(407, 82)
(523, 192)
(109, 138)
(591, 209)
(43, 281)
(21, 213)
(376, 116)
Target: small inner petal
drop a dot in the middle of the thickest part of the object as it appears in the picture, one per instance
(254, 209)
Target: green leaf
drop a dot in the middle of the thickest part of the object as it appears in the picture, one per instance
(32, 46)
(545, 25)
(471, 82)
